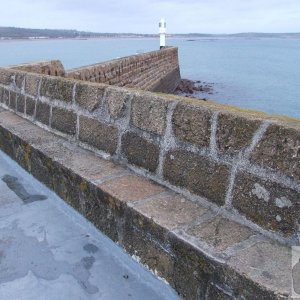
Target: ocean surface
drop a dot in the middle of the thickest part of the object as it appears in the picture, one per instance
(260, 74)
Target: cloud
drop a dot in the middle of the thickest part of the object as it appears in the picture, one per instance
(210, 16)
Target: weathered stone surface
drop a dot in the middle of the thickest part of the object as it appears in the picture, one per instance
(267, 203)
(116, 101)
(64, 120)
(198, 174)
(215, 293)
(89, 96)
(99, 135)
(21, 103)
(94, 168)
(6, 138)
(5, 97)
(19, 79)
(52, 67)
(6, 76)
(42, 113)
(1, 94)
(30, 106)
(131, 188)
(220, 233)
(170, 211)
(235, 133)
(259, 271)
(137, 238)
(193, 270)
(192, 125)
(32, 84)
(279, 150)
(169, 82)
(13, 100)
(268, 264)
(57, 88)
(149, 113)
(140, 152)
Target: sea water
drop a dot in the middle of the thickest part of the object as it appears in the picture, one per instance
(260, 74)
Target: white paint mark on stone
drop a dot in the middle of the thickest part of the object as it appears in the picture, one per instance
(260, 192)
(278, 218)
(283, 202)
(213, 137)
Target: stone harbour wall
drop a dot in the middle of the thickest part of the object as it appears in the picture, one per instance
(240, 163)
(153, 71)
(52, 67)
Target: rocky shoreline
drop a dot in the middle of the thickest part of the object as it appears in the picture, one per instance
(194, 89)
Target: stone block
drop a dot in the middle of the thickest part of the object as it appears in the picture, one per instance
(42, 167)
(13, 100)
(32, 84)
(131, 188)
(220, 233)
(5, 97)
(215, 293)
(140, 152)
(99, 208)
(96, 169)
(116, 101)
(198, 174)
(266, 203)
(6, 139)
(268, 265)
(64, 120)
(6, 76)
(279, 150)
(149, 113)
(89, 96)
(65, 183)
(57, 88)
(30, 106)
(19, 79)
(192, 125)
(170, 211)
(99, 135)
(1, 94)
(142, 238)
(193, 270)
(235, 133)
(21, 104)
(42, 112)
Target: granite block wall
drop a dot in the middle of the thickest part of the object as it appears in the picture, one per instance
(243, 163)
(52, 67)
(153, 71)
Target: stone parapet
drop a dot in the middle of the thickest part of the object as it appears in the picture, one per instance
(241, 163)
(200, 252)
(52, 67)
(156, 71)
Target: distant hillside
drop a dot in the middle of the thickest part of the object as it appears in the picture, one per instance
(27, 33)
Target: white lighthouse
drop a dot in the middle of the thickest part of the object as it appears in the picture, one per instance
(162, 32)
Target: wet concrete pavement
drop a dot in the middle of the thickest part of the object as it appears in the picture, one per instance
(48, 251)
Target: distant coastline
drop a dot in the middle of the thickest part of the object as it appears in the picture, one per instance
(14, 33)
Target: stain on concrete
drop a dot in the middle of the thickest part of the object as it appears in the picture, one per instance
(88, 262)
(21, 254)
(18, 188)
(90, 248)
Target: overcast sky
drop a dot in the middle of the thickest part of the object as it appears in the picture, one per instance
(142, 16)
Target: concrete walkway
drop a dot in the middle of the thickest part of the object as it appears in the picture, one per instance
(48, 251)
